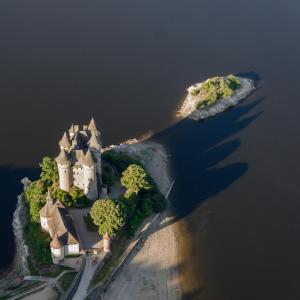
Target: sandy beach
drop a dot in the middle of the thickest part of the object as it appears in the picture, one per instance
(151, 273)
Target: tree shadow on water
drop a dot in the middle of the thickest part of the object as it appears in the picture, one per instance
(198, 151)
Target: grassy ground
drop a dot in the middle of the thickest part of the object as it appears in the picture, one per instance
(66, 280)
(117, 249)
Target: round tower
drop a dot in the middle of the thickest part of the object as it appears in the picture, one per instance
(89, 176)
(95, 146)
(64, 171)
(106, 242)
(65, 142)
(57, 252)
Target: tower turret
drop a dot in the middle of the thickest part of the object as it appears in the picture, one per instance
(92, 127)
(65, 142)
(89, 176)
(64, 171)
(95, 147)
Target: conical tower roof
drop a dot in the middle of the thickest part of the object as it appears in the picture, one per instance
(55, 243)
(72, 128)
(88, 159)
(48, 197)
(65, 141)
(62, 158)
(92, 126)
(94, 142)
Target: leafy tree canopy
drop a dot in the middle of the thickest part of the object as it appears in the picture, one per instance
(109, 215)
(135, 179)
(49, 172)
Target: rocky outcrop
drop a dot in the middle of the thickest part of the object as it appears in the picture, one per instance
(189, 106)
(19, 221)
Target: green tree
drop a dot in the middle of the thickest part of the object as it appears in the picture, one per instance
(49, 172)
(35, 199)
(109, 215)
(77, 197)
(135, 179)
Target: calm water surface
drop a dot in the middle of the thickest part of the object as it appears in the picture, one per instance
(127, 63)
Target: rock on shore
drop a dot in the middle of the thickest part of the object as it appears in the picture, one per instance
(189, 106)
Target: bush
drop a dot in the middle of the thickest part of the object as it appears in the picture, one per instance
(108, 176)
(121, 161)
(217, 88)
(35, 199)
(38, 243)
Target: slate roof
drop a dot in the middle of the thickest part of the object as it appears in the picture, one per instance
(94, 142)
(62, 158)
(92, 126)
(65, 141)
(60, 223)
(55, 243)
(88, 159)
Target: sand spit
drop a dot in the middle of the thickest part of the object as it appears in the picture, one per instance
(152, 273)
(188, 108)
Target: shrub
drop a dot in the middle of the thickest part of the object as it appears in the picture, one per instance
(49, 173)
(38, 243)
(108, 176)
(120, 160)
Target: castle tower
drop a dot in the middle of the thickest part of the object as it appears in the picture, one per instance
(92, 126)
(57, 251)
(95, 147)
(64, 171)
(89, 176)
(65, 142)
(72, 131)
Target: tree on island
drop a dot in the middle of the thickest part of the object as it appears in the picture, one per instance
(109, 215)
(49, 172)
(135, 179)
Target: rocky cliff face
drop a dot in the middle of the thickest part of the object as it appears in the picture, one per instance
(19, 221)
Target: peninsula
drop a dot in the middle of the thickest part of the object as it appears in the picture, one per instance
(214, 95)
(91, 208)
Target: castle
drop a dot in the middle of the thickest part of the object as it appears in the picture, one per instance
(58, 223)
(79, 161)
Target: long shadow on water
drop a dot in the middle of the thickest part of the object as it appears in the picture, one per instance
(198, 150)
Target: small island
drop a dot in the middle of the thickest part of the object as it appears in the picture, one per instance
(214, 95)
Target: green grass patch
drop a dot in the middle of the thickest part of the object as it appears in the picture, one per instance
(215, 89)
(66, 280)
(117, 249)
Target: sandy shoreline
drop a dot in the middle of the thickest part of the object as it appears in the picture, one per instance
(153, 272)
(188, 107)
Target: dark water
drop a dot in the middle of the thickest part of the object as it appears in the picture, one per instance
(127, 63)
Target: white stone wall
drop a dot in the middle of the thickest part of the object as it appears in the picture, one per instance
(78, 177)
(72, 249)
(65, 178)
(57, 254)
(90, 182)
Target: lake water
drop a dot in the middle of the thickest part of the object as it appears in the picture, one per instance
(127, 63)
